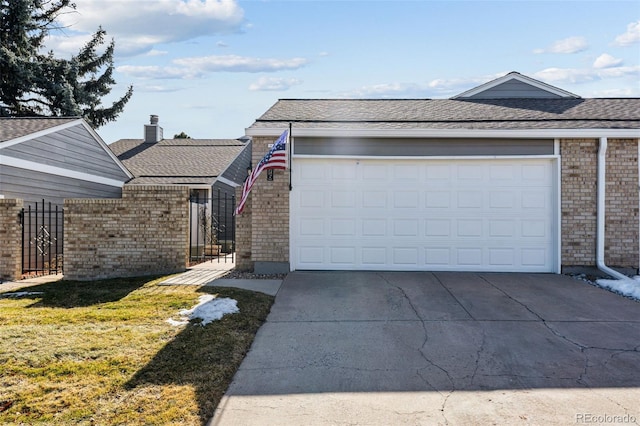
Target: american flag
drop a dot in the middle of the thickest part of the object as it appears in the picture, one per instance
(276, 158)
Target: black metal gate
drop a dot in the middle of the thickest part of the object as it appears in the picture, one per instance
(42, 239)
(213, 228)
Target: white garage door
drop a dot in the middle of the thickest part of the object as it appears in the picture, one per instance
(439, 215)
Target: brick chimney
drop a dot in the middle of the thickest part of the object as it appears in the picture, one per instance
(152, 131)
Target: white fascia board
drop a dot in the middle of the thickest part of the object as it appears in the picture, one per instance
(44, 132)
(58, 171)
(452, 133)
(106, 148)
(522, 78)
(227, 182)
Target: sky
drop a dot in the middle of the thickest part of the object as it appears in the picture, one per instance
(210, 68)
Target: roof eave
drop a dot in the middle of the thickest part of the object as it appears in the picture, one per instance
(449, 133)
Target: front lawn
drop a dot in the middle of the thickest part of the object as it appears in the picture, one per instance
(102, 353)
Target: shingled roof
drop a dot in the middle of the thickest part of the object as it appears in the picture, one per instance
(514, 113)
(16, 127)
(177, 161)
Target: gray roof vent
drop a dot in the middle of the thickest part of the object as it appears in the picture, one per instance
(152, 131)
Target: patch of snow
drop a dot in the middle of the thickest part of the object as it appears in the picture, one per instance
(209, 308)
(21, 294)
(177, 323)
(629, 287)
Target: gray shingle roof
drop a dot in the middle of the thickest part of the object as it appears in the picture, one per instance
(16, 127)
(619, 113)
(177, 161)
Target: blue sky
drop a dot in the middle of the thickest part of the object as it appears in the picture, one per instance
(210, 68)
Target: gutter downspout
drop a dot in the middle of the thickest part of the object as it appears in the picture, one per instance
(601, 183)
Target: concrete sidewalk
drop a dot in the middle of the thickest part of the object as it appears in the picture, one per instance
(393, 348)
(8, 286)
(212, 273)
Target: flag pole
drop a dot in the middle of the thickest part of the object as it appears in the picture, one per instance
(290, 157)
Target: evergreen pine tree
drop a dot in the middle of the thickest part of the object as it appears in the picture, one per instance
(37, 84)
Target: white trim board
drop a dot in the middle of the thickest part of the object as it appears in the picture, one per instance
(227, 182)
(58, 171)
(452, 133)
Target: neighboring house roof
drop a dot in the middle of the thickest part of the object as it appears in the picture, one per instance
(513, 102)
(16, 127)
(178, 161)
(63, 146)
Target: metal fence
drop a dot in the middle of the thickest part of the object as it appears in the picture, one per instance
(42, 239)
(213, 230)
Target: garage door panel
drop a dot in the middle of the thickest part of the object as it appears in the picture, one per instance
(374, 227)
(343, 227)
(374, 256)
(437, 227)
(406, 172)
(437, 256)
(474, 215)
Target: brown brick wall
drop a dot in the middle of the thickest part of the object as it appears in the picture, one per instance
(10, 239)
(621, 223)
(146, 232)
(243, 235)
(270, 210)
(579, 202)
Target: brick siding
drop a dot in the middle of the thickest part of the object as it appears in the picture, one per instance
(621, 221)
(243, 235)
(10, 239)
(145, 232)
(579, 202)
(269, 210)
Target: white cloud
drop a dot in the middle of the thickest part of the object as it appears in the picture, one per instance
(138, 25)
(274, 84)
(627, 92)
(194, 67)
(221, 44)
(584, 75)
(388, 90)
(66, 46)
(631, 36)
(157, 72)
(571, 75)
(567, 45)
(155, 52)
(606, 61)
(437, 88)
(234, 63)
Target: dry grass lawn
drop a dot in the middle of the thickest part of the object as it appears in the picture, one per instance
(102, 353)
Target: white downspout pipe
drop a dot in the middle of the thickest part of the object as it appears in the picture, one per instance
(602, 165)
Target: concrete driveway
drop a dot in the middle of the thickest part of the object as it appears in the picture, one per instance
(392, 348)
